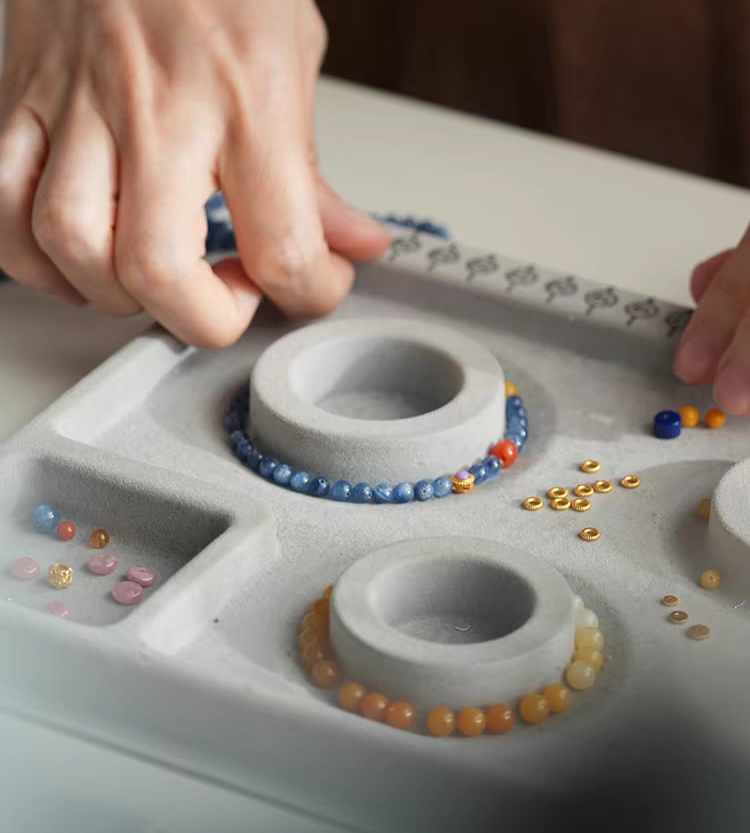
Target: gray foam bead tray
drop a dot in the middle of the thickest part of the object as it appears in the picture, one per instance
(203, 674)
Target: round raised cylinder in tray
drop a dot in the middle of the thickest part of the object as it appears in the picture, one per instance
(729, 529)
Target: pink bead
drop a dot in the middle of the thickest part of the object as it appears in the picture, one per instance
(462, 475)
(127, 592)
(102, 564)
(58, 609)
(24, 569)
(141, 575)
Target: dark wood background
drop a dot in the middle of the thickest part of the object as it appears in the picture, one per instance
(663, 80)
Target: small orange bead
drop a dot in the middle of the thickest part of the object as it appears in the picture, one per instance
(714, 418)
(471, 722)
(99, 539)
(314, 622)
(558, 697)
(441, 721)
(506, 452)
(327, 592)
(511, 389)
(307, 638)
(312, 654)
(533, 708)
(325, 673)
(322, 606)
(350, 696)
(710, 579)
(373, 706)
(690, 416)
(499, 719)
(400, 715)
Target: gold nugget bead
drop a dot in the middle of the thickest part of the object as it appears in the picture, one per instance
(631, 481)
(581, 504)
(463, 482)
(590, 534)
(60, 576)
(557, 492)
(602, 487)
(590, 466)
(533, 503)
(584, 490)
(560, 504)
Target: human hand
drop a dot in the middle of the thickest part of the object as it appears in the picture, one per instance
(119, 118)
(715, 348)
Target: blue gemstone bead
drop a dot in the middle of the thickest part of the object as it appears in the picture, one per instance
(282, 474)
(667, 425)
(403, 493)
(232, 422)
(513, 402)
(242, 449)
(516, 440)
(300, 481)
(383, 493)
(341, 490)
(423, 490)
(236, 437)
(320, 487)
(479, 472)
(518, 430)
(45, 517)
(493, 466)
(442, 487)
(253, 458)
(267, 466)
(362, 493)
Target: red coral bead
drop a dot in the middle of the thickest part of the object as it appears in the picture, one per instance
(506, 452)
(66, 530)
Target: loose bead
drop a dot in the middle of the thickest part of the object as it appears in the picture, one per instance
(479, 473)
(584, 490)
(373, 706)
(383, 493)
(307, 638)
(669, 600)
(463, 481)
(282, 474)
(58, 609)
(704, 508)
(699, 632)
(99, 539)
(24, 569)
(441, 721)
(127, 592)
(400, 715)
(322, 606)
(45, 517)
(533, 503)
(589, 533)
(689, 416)
(591, 656)
(560, 504)
(499, 719)
(589, 638)
(403, 493)
(267, 466)
(667, 425)
(558, 697)
(631, 481)
(678, 617)
(586, 618)
(66, 530)
(350, 696)
(557, 492)
(710, 579)
(315, 621)
(423, 490)
(471, 722)
(510, 389)
(533, 708)
(505, 451)
(60, 576)
(602, 487)
(341, 490)
(580, 675)
(581, 504)
(300, 481)
(144, 576)
(714, 418)
(320, 487)
(325, 673)
(442, 487)
(590, 466)
(102, 564)
(362, 493)
(493, 465)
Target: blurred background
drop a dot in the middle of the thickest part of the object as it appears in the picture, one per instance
(666, 81)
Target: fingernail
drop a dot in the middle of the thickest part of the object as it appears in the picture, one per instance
(732, 388)
(694, 357)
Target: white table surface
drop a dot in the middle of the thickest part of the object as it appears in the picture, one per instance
(594, 214)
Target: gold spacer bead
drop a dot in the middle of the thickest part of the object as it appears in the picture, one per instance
(590, 466)
(590, 534)
(533, 503)
(678, 617)
(584, 490)
(581, 504)
(631, 481)
(60, 576)
(560, 503)
(602, 487)
(557, 492)
(699, 632)
(463, 485)
(669, 600)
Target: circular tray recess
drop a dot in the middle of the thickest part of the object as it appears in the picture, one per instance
(377, 400)
(729, 530)
(452, 621)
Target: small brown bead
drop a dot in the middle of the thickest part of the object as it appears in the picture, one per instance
(322, 606)
(314, 622)
(678, 617)
(558, 696)
(471, 722)
(699, 632)
(441, 722)
(400, 715)
(99, 539)
(373, 706)
(499, 719)
(669, 600)
(704, 508)
(533, 708)
(313, 654)
(307, 638)
(325, 673)
(327, 592)
(350, 696)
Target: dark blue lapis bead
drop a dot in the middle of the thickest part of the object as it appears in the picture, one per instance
(242, 449)
(232, 422)
(493, 466)
(516, 440)
(253, 459)
(282, 474)
(423, 490)
(362, 493)
(235, 438)
(513, 403)
(442, 486)
(383, 493)
(480, 473)
(667, 425)
(320, 487)
(267, 466)
(341, 490)
(403, 493)
(300, 481)
(519, 430)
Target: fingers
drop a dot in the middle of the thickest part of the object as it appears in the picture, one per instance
(705, 272)
(349, 231)
(732, 387)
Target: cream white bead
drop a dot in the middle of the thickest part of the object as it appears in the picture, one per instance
(586, 618)
(580, 675)
(578, 602)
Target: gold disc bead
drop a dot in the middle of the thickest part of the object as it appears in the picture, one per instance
(463, 482)
(678, 617)
(631, 481)
(560, 504)
(533, 503)
(581, 504)
(590, 466)
(669, 600)
(584, 490)
(699, 632)
(590, 534)
(602, 487)
(557, 492)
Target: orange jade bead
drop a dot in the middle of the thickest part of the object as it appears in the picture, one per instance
(350, 696)
(307, 638)
(312, 654)
(327, 592)
(314, 622)
(499, 719)
(325, 673)
(471, 722)
(323, 607)
(533, 708)
(99, 539)
(690, 416)
(400, 715)
(558, 697)
(714, 418)
(373, 706)
(441, 721)
(506, 452)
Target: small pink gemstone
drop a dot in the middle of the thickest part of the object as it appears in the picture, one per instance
(102, 564)
(127, 592)
(24, 569)
(58, 609)
(462, 475)
(141, 575)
